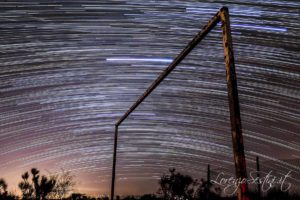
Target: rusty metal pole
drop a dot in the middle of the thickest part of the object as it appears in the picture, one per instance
(234, 107)
(114, 163)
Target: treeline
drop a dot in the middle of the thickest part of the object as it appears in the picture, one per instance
(172, 186)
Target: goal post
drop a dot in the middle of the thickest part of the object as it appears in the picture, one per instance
(236, 129)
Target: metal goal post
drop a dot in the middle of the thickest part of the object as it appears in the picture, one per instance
(236, 129)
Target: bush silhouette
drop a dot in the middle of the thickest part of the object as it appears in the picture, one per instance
(3, 189)
(26, 187)
(176, 186)
(38, 189)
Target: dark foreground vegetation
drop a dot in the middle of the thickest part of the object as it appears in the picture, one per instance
(172, 186)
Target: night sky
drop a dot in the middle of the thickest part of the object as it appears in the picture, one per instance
(70, 69)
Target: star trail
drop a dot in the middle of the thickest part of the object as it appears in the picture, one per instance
(70, 69)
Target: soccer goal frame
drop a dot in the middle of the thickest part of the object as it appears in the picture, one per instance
(234, 108)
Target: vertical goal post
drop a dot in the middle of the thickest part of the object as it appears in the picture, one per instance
(234, 108)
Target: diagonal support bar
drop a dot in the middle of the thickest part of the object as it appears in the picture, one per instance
(236, 128)
(206, 29)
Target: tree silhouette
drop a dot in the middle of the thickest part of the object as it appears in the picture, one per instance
(176, 186)
(64, 185)
(3, 189)
(25, 187)
(46, 186)
(206, 191)
(35, 180)
(38, 189)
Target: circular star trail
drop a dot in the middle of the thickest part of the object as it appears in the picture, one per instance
(70, 69)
